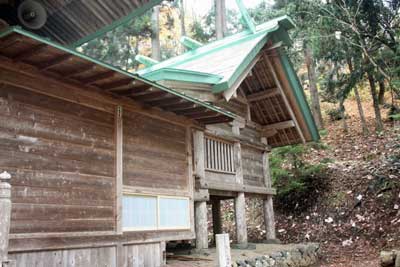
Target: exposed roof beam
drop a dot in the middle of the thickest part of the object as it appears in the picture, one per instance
(30, 52)
(285, 100)
(166, 102)
(151, 96)
(116, 84)
(190, 43)
(279, 125)
(58, 60)
(148, 62)
(97, 77)
(262, 95)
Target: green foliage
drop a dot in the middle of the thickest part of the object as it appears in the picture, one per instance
(294, 178)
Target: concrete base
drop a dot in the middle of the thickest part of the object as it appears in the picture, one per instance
(248, 246)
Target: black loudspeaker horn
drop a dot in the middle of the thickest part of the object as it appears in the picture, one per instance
(32, 14)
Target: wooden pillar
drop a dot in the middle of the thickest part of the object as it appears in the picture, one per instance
(216, 216)
(240, 216)
(198, 143)
(5, 217)
(240, 202)
(269, 217)
(201, 225)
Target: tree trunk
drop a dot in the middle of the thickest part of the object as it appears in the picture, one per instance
(342, 110)
(155, 34)
(220, 19)
(182, 19)
(359, 104)
(361, 112)
(315, 106)
(378, 118)
(381, 95)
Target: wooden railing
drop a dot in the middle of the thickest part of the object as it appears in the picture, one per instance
(219, 155)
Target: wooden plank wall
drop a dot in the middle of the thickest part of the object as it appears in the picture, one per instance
(133, 255)
(155, 154)
(61, 157)
(252, 166)
(84, 257)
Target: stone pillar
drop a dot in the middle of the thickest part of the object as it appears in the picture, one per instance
(201, 224)
(269, 219)
(5, 217)
(240, 216)
(216, 216)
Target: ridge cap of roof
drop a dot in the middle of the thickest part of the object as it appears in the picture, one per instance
(262, 29)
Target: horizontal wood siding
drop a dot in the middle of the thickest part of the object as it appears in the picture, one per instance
(252, 166)
(61, 158)
(154, 153)
(149, 255)
(103, 256)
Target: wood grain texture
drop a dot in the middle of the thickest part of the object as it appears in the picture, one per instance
(103, 256)
(61, 157)
(155, 153)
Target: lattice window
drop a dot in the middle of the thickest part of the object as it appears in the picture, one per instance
(219, 155)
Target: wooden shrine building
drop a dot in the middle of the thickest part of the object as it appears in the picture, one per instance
(102, 167)
(250, 75)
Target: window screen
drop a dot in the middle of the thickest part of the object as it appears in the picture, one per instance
(174, 212)
(139, 212)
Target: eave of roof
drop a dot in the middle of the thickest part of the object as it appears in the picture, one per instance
(299, 95)
(18, 30)
(170, 74)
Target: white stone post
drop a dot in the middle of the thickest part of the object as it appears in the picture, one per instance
(223, 250)
(5, 217)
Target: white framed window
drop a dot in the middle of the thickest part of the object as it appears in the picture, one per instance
(174, 213)
(150, 212)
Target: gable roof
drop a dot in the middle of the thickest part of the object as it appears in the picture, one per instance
(54, 60)
(223, 60)
(255, 64)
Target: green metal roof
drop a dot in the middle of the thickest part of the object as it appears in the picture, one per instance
(225, 58)
(16, 29)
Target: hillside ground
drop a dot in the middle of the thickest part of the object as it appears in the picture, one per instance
(358, 215)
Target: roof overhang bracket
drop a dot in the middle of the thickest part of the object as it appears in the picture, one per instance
(148, 62)
(190, 43)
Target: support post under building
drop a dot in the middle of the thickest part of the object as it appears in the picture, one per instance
(201, 226)
(269, 216)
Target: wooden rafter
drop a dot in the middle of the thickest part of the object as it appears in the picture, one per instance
(285, 100)
(30, 52)
(263, 95)
(53, 62)
(100, 76)
(115, 84)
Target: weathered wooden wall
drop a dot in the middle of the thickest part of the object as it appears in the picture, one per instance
(252, 166)
(61, 158)
(154, 154)
(130, 255)
(58, 142)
